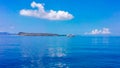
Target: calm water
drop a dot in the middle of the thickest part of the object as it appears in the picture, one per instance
(59, 52)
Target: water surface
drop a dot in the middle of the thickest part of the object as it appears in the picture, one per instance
(59, 52)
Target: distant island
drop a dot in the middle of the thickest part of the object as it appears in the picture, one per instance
(5, 33)
(38, 34)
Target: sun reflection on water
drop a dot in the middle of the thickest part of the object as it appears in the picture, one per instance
(56, 52)
(47, 56)
(55, 58)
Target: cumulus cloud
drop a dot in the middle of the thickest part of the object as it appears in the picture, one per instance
(101, 31)
(40, 12)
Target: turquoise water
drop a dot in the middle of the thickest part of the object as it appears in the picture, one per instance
(59, 52)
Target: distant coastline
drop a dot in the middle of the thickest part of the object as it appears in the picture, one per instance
(5, 33)
(52, 34)
(38, 34)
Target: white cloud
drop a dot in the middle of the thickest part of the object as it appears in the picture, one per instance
(41, 13)
(106, 31)
(97, 31)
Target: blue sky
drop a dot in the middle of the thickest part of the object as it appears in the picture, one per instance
(88, 16)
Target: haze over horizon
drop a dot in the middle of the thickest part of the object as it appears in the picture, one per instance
(62, 17)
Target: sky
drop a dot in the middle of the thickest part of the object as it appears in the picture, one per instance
(61, 16)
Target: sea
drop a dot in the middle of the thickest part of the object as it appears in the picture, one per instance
(59, 52)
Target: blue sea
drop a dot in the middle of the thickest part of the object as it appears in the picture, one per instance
(59, 52)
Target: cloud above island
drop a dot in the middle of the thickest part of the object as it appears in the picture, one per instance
(99, 31)
(41, 13)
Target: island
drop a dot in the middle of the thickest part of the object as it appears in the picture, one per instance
(5, 33)
(38, 34)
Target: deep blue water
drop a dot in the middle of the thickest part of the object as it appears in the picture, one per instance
(59, 52)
